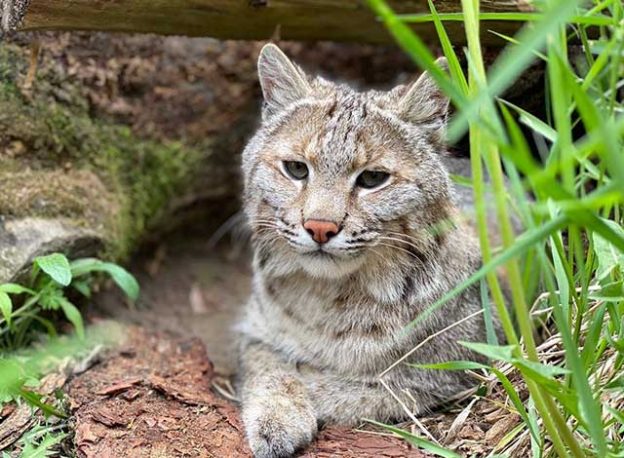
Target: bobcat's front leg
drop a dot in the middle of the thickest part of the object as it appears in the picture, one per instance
(277, 412)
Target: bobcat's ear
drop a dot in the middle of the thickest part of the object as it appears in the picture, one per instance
(424, 103)
(282, 82)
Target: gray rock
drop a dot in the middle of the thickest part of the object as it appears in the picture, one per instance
(21, 240)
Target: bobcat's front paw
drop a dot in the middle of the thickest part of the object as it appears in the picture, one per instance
(277, 426)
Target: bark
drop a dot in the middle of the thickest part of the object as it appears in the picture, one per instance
(152, 397)
(338, 20)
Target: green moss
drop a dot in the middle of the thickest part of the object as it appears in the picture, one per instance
(55, 160)
(76, 194)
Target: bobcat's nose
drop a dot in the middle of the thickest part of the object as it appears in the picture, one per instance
(321, 231)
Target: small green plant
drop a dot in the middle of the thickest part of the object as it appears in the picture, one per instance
(39, 441)
(50, 278)
(27, 310)
(21, 375)
(21, 371)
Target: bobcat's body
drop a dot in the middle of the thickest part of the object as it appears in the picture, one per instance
(329, 307)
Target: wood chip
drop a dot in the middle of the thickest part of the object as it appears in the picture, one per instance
(166, 407)
(119, 387)
(197, 300)
(500, 428)
(12, 428)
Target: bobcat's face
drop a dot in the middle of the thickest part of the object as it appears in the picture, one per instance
(335, 177)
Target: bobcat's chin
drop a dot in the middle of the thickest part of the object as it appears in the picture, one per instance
(321, 264)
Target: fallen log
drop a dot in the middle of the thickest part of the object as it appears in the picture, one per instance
(336, 20)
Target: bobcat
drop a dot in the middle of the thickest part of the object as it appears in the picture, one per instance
(355, 233)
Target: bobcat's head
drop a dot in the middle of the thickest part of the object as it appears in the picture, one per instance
(335, 177)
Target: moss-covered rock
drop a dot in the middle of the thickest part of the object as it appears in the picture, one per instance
(58, 163)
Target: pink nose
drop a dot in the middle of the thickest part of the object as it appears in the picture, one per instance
(321, 231)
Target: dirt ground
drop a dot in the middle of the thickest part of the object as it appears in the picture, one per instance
(188, 288)
(152, 397)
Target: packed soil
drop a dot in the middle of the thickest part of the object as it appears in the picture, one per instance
(188, 288)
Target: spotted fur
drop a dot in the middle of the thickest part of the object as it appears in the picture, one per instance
(320, 326)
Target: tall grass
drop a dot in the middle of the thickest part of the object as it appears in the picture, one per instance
(566, 270)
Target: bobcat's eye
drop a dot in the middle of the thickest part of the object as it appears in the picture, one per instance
(297, 170)
(370, 179)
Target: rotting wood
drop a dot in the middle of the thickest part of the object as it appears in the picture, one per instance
(337, 20)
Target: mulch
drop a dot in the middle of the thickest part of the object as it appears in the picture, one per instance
(153, 397)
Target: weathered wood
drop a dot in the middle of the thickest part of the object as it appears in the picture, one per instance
(338, 20)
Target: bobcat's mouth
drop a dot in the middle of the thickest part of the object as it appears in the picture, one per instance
(321, 254)
(322, 263)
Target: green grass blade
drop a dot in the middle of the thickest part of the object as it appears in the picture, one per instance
(418, 441)
(447, 47)
(513, 62)
(522, 244)
(417, 50)
(593, 20)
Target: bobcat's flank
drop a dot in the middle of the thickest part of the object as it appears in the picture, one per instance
(355, 233)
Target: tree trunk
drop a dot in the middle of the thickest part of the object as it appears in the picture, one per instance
(337, 20)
